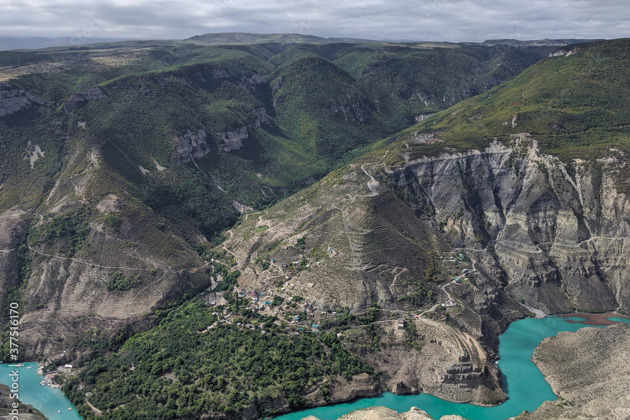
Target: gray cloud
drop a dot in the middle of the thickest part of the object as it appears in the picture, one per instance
(448, 20)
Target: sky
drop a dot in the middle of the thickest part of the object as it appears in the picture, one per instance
(402, 20)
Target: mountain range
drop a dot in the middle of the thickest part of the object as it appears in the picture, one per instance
(408, 199)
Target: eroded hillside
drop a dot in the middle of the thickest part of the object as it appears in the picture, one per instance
(467, 237)
(396, 271)
(122, 161)
(587, 370)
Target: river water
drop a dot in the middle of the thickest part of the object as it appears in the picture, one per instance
(524, 383)
(50, 401)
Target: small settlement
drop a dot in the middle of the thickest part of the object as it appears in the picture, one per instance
(300, 315)
(284, 301)
(49, 376)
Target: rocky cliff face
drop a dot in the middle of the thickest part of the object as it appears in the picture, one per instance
(189, 146)
(451, 364)
(233, 140)
(382, 413)
(79, 99)
(13, 99)
(588, 370)
(551, 233)
(528, 227)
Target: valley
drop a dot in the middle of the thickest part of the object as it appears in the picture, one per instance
(220, 228)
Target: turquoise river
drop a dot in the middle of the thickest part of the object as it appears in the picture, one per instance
(50, 401)
(524, 383)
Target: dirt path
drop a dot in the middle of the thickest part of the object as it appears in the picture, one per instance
(94, 409)
(149, 285)
(373, 184)
(434, 307)
(78, 261)
(394, 280)
(110, 267)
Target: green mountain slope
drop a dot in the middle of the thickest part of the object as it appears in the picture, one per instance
(460, 224)
(124, 164)
(575, 105)
(261, 125)
(321, 107)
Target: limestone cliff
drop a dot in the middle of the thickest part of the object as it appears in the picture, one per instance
(14, 99)
(189, 146)
(588, 370)
(382, 413)
(505, 225)
(552, 233)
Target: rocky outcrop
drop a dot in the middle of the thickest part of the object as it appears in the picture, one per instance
(25, 411)
(451, 364)
(233, 140)
(13, 99)
(553, 233)
(257, 410)
(82, 98)
(261, 117)
(190, 146)
(252, 82)
(563, 51)
(360, 386)
(422, 117)
(589, 372)
(33, 153)
(383, 413)
(242, 208)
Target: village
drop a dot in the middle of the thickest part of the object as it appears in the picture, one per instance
(50, 375)
(298, 315)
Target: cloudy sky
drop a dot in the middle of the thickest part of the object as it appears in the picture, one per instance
(448, 20)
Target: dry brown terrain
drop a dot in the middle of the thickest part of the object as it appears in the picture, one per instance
(589, 372)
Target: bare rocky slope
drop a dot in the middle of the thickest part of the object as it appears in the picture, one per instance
(588, 370)
(8, 410)
(551, 232)
(120, 160)
(450, 242)
(382, 413)
(536, 230)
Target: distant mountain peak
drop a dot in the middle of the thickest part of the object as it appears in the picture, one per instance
(254, 38)
(536, 42)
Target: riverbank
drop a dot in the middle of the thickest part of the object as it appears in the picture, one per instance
(524, 383)
(384, 413)
(24, 411)
(589, 372)
(51, 402)
(583, 383)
